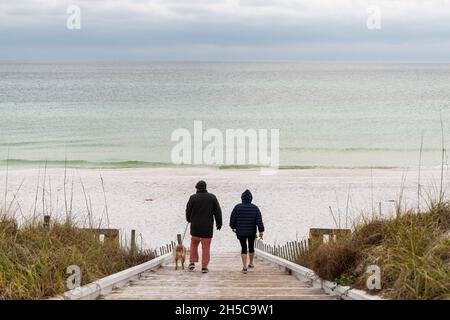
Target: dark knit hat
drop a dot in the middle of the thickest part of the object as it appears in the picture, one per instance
(201, 185)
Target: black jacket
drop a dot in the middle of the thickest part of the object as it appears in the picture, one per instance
(201, 210)
(246, 217)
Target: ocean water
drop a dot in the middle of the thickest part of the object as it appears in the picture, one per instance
(123, 114)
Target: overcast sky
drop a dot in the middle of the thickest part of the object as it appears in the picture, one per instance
(411, 30)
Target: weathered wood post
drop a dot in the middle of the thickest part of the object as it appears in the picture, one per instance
(316, 236)
(47, 222)
(379, 209)
(133, 241)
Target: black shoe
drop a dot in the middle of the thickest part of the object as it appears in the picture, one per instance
(250, 266)
(205, 270)
(191, 266)
(244, 270)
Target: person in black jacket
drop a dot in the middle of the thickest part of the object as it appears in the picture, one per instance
(201, 210)
(244, 219)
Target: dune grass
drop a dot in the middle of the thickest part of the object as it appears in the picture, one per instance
(412, 250)
(33, 259)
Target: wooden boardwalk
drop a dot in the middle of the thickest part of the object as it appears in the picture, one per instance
(266, 281)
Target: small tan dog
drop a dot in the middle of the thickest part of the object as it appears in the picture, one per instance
(179, 254)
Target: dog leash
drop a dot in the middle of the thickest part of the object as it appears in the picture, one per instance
(185, 229)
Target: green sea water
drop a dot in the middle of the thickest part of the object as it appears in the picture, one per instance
(122, 114)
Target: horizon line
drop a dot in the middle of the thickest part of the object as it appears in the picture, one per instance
(31, 61)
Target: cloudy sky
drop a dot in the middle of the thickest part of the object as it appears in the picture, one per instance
(411, 30)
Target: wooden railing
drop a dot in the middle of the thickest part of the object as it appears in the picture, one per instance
(113, 236)
(317, 235)
(294, 249)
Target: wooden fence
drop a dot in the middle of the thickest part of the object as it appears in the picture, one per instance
(168, 248)
(317, 235)
(289, 251)
(113, 236)
(292, 250)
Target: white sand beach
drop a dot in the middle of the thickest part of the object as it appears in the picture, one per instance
(152, 201)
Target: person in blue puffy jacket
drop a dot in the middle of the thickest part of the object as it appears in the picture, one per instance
(244, 220)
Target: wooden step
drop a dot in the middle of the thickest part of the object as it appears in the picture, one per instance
(222, 297)
(222, 283)
(225, 281)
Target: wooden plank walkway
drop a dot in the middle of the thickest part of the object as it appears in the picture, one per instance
(224, 281)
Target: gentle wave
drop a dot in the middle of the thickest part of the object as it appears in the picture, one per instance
(144, 164)
(303, 167)
(35, 144)
(85, 163)
(359, 149)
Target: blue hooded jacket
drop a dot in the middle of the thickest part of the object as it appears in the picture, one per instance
(245, 217)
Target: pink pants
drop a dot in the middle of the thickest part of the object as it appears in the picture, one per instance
(206, 244)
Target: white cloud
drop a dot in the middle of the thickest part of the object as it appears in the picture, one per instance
(231, 9)
(264, 25)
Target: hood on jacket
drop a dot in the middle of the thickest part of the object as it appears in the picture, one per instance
(201, 186)
(247, 196)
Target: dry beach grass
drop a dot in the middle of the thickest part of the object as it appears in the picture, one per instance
(412, 249)
(33, 259)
